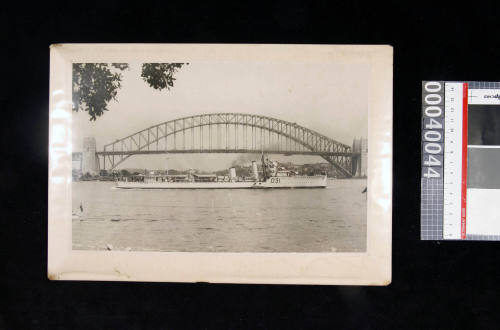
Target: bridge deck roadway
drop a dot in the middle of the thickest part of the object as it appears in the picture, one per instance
(226, 151)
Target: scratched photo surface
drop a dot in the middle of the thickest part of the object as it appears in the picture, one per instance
(226, 156)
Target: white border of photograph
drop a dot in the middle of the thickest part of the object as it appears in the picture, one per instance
(372, 267)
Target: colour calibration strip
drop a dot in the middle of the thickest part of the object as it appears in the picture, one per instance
(460, 180)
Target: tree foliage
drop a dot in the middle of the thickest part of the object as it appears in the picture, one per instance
(160, 75)
(96, 84)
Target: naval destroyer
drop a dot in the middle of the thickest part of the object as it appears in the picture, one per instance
(273, 176)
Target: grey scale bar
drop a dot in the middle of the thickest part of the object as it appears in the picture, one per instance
(483, 85)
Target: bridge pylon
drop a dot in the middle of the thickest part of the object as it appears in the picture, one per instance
(360, 161)
(90, 160)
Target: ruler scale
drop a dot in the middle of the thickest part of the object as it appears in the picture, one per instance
(452, 170)
(463, 215)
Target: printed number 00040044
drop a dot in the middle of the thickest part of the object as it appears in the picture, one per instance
(432, 134)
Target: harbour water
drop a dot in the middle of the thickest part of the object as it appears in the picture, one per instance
(227, 220)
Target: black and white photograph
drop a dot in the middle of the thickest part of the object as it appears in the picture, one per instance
(231, 153)
(219, 157)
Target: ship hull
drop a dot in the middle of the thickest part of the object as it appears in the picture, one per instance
(270, 183)
(185, 185)
(293, 182)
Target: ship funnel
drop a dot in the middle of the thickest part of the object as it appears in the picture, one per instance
(232, 174)
(255, 171)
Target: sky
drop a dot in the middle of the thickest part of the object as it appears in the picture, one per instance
(331, 99)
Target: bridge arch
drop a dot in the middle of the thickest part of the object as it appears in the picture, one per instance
(230, 133)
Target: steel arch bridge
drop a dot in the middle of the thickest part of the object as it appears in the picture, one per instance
(230, 133)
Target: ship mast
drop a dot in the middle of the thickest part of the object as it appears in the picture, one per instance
(264, 174)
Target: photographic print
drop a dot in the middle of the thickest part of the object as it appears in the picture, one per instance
(225, 154)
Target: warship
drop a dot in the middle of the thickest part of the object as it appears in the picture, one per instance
(273, 176)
